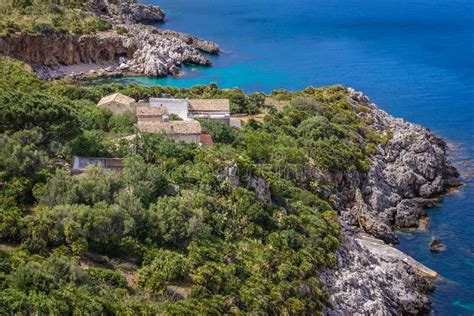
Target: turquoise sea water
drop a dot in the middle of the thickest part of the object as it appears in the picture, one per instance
(414, 58)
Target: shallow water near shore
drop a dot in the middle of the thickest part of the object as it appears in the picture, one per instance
(413, 58)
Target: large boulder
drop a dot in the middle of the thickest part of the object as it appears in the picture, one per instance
(230, 174)
(261, 188)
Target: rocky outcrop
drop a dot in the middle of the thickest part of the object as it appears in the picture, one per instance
(138, 49)
(200, 44)
(407, 175)
(230, 174)
(371, 283)
(128, 11)
(163, 52)
(262, 189)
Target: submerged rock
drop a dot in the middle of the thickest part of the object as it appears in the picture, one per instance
(436, 245)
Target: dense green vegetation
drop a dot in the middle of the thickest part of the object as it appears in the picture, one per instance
(168, 234)
(48, 17)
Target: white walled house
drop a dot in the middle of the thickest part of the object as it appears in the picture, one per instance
(178, 107)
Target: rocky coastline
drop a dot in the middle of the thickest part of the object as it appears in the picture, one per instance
(132, 47)
(408, 174)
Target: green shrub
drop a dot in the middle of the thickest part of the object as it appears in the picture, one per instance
(166, 268)
(105, 277)
(122, 123)
(185, 218)
(220, 132)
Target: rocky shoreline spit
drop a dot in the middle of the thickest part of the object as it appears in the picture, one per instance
(133, 47)
(409, 174)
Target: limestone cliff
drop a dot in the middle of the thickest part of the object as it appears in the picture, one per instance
(138, 49)
(408, 174)
(55, 50)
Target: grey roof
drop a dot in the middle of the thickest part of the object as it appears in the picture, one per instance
(79, 164)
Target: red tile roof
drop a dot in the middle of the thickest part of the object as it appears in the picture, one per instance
(206, 140)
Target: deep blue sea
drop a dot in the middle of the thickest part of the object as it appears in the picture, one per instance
(414, 58)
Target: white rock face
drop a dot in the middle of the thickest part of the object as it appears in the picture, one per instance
(408, 173)
(161, 52)
(365, 283)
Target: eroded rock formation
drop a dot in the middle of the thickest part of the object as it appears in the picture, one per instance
(406, 176)
(128, 11)
(365, 283)
(139, 49)
(55, 50)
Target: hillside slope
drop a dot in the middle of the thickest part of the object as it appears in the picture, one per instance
(266, 221)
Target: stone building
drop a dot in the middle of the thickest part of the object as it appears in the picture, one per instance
(151, 114)
(214, 109)
(188, 131)
(118, 103)
(235, 122)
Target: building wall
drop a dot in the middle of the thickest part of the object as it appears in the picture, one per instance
(180, 109)
(173, 106)
(208, 113)
(80, 164)
(235, 122)
(150, 118)
(225, 119)
(187, 138)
